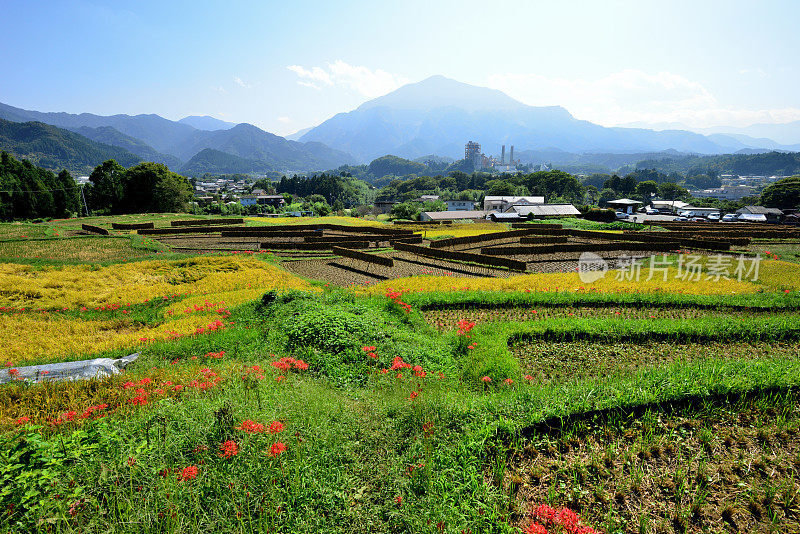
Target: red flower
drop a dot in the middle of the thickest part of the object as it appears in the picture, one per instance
(486, 379)
(414, 395)
(229, 448)
(508, 381)
(528, 377)
(536, 528)
(22, 420)
(276, 427)
(251, 427)
(277, 449)
(399, 500)
(188, 473)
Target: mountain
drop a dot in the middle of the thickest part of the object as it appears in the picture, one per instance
(248, 142)
(111, 136)
(439, 115)
(205, 122)
(158, 139)
(213, 161)
(153, 130)
(55, 148)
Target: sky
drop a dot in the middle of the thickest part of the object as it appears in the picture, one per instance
(284, 66)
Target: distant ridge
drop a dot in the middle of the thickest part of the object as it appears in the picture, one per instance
(55, 148)
(205, 122)
(439, 115)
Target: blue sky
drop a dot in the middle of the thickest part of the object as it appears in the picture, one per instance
(288, 65)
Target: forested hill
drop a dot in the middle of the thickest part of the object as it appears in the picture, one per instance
(766, 164)
(55, 148)
(109, 135)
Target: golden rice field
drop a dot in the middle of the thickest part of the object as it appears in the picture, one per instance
(774, 275)
(77, 249)
(211, 284)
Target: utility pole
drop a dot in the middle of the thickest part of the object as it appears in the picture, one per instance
(84, 202)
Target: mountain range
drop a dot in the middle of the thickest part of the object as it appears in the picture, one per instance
(438, 115)
(431, 118)
(177, 143)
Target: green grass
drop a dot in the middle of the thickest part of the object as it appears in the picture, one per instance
(355, 437)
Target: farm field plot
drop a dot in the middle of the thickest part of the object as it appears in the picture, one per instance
(301, 391)
(79, 249)
(448, 319)
(559, 362)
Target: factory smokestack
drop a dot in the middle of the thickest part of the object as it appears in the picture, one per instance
(503, 155)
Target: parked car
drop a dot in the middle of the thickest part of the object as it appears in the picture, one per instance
(714, 217)
(622, 215)
(730, 217)
(650, 211)
(697, 219)
(680, 218)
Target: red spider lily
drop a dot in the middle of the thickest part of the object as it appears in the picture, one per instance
(399, 500)
(251, 427)
(276, 427)
(508, 381)
(22, 420)
(528, 378)
(368, 349)
(465, 326)
(414, 395)
(188, 473)
(131, 461)
(277, 449)
(486, 379)
(228, 448)
(91, 410)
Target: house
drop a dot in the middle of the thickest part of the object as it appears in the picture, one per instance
(460, 205)
(668, 206)
(500, 203)
(624, 205)
(262, 199)
(526, 210)
(451, 215)
(384, 206)
(771, 214)
(729, 192)
(694, 211)
(426, 198)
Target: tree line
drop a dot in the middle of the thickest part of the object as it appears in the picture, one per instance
(31, 192)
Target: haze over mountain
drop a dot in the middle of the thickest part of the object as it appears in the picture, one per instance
(205, 122)
(439, 115)
(155, 138)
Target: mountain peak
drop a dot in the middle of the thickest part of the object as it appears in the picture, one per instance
(439, 91)
(206, 122)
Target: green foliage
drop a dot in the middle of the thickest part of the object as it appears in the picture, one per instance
(394, 165)
(406, 211)
(767, 164)
(671, 191)
(600, 215)
(55, 149)
(783, 194)
(333, 188)
(28, 192)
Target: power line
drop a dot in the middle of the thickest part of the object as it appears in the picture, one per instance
(40, 190)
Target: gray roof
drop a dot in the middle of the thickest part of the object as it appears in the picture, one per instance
(545, 210)
(623, 201)
(760, 210)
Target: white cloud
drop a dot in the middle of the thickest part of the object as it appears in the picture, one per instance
(242, 83)
(284, 120)
(634, 96)
(363, 80)
(219, 89)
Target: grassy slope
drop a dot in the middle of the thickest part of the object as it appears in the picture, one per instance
(355, 437)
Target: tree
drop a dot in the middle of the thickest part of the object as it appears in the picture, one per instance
(605, 195)
(646, 189)
(783, 194)
(406, 210)
(107, 187)
(671, 191)
(152, 187)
